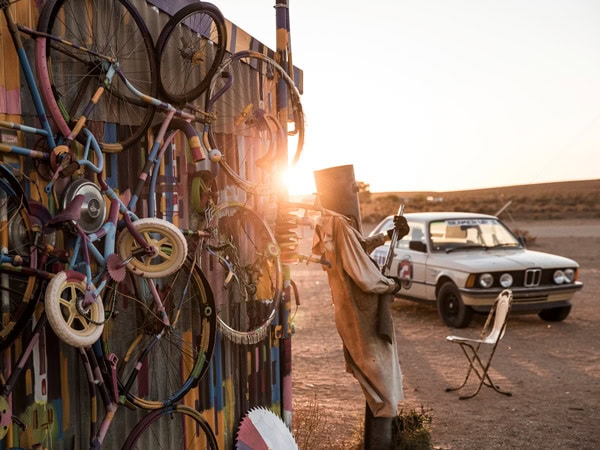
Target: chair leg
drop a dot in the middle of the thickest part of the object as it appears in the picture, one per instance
(487, 378)
(471, 367)
(487, 381)
(484, 377)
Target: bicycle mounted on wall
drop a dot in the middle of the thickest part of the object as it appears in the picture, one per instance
(148, 267)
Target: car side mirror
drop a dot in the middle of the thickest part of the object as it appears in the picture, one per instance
(418, 246)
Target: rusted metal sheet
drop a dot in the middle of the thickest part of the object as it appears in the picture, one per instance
(53, 398)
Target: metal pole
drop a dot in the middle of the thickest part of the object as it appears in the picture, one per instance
(283, 58)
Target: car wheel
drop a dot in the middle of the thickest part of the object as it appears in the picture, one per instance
(452, 310)
(555, 314)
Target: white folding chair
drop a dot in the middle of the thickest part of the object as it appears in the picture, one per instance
(473, 350)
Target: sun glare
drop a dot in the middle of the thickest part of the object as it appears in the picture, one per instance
(299, 181)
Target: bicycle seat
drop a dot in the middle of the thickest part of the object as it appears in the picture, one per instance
(72, 212)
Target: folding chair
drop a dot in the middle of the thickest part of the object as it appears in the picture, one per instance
(471, 347)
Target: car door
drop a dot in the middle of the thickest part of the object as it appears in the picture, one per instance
(410, 261)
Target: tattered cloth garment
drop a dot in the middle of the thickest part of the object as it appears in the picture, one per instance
(356, 283)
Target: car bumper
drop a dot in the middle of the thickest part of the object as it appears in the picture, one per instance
(524, 299)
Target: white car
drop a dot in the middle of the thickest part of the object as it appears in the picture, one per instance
(462, 261)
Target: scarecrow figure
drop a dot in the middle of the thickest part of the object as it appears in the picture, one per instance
(361, 297)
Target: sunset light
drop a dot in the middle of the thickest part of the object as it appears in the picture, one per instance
(438, 95)
(299, 180)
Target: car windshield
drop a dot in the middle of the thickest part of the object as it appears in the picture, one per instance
(470, 233)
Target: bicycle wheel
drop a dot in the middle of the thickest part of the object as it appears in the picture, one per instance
(69, 75)
(72, 323)
(165, 238)
(190, 48)
(245, 271)
(19, 291)
(175, 427)
(157, 363)
(249, 93)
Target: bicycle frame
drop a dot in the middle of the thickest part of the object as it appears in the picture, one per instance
(60, 155)
(102, 380)
(45, 131)
(112, 70)
(84, 249)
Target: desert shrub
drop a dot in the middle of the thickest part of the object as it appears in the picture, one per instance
(569, 200)
(412, 430)
(309, 425)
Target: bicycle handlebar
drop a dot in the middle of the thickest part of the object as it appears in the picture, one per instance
(91, 140)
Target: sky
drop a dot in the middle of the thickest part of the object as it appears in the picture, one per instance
(442, 95)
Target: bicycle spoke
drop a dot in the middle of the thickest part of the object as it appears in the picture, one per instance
(159, 363)
(244, 266)
(190, 48)
(246, 95)
(95, 37)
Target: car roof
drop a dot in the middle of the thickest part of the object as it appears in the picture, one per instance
(432, 216)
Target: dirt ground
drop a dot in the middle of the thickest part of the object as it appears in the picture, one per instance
(552, 369)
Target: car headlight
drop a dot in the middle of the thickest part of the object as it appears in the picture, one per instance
(506, 280)
(559, 277)
(486, 280)
(569, 275)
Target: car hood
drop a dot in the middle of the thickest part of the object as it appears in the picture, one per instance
(505, 259)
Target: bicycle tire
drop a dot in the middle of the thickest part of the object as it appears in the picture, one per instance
(189, 50)
(69, 76)
(244, 262)
(188, 431)
(158, 365)
(166, 239)
(247, 95)
(19, 291)
(62, 305)
(165, 204)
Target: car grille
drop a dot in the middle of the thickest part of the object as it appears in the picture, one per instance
(529, 278)
(532, 277)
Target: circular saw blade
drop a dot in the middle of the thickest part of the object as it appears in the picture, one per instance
(262, 429)
(116, 268)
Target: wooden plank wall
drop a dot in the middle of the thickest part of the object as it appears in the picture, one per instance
(53, 397)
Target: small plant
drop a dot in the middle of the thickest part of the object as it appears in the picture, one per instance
(309, 425)
(411, 430)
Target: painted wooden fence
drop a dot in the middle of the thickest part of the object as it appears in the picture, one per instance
(52, 397)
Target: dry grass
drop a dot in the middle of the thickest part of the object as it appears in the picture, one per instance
(310, 425)
(411, 429)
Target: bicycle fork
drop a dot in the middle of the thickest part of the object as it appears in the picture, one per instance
(96, 383)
